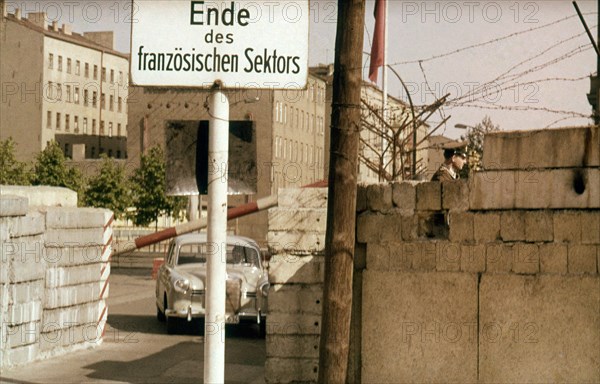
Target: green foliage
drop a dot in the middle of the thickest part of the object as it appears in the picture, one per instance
(12, 171)
(474, 138)
(149, 189)
(51, 169)
(109, 188)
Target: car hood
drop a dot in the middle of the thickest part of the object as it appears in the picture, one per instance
(251, 277)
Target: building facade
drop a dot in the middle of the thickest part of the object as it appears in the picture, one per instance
(63, 86)
(289, 128)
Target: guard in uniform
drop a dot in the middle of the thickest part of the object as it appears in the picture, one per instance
(455, 159)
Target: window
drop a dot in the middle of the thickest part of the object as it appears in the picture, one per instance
(49, 119)
(103, 101)
(111, 103)
(285, 114)
(121, 77)
(110, 129)
(60, 63)
(86, 70)
(68, 93)
(58, 121)
(85, 97)
(95, 72)
(76, 95)
(59, 91)
(68, 65)
(85, 125)
(76, 124)
(77, 67)
(95, 99)
(51, 61)
(277, 111)
(120, 106)
(119, 133)
(93, 126)
(103, 73)
(93, 154)
(67, 122)
(101, 127)
(112, 76)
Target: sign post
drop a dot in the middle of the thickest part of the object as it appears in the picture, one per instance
(219, 45)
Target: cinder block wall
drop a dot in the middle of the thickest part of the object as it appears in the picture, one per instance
(494, 280)
(296, 240)
(53, 273)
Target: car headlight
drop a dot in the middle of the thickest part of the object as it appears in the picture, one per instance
(264, 289)
(181, 285)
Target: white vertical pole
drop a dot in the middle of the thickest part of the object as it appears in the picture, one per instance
(218, 145)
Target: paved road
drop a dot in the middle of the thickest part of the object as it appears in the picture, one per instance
(136, 348)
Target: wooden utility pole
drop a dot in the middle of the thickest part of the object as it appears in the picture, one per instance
(341, 209)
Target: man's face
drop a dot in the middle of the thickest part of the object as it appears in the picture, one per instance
(458, 161)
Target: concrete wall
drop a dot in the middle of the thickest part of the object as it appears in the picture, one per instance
(53, 273)
(490, 280)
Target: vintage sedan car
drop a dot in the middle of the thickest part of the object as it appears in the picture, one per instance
(181, 281)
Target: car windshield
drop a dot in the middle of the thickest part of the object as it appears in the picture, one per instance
(198, 252)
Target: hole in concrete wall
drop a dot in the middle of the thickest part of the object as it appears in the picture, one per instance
(316, 323)
(579, 182)
(149, 106)
(318, 301)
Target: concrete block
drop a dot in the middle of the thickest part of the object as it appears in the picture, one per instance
(379, 197)
(303, 219)
(302, 298)
(526, 258)
(296, 242)
(512, 225)
(567, 226)
(42, 196)
(75, 255)
(575, 188)
(553, 258)
(302, 198)
(539, 226)
(292, 269)
(492, 190)
(472, 258)
(422, 255)
(404, 195)
(20, 355)
(410, 226)
(63, 318)
(24, 312)
(293, 324)
(291, 370)
(455, 195)
(571, 147)
(73, 218)
(297, 346)
(75, 295)
(393, 228)
(590, 227)
(29, 225)
(63, 340)
(25, 270)
(486, 227)
(448, 256)
(391, 256)
(425, 328)
(498, 257)
(582, 258)
(75, 275)
(361, 198)
(83, 237)
(461, 226)
(531, 188)
(429, 196)
(12, 205)
(17, 335)
(368, 227)
(542, 329)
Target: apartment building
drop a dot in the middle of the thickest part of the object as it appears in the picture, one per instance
(289, 131)
(63, 86)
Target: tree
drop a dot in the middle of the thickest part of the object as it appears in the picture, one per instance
(109, 188)
(51, 169)
(474, 139)
(149, 190)
(12, 171)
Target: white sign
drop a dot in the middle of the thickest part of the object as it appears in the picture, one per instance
(243, 44)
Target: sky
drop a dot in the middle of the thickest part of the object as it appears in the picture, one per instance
(525, 64)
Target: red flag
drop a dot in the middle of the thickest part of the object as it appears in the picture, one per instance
(378, 40)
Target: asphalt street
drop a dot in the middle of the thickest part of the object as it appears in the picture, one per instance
(137, 349)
